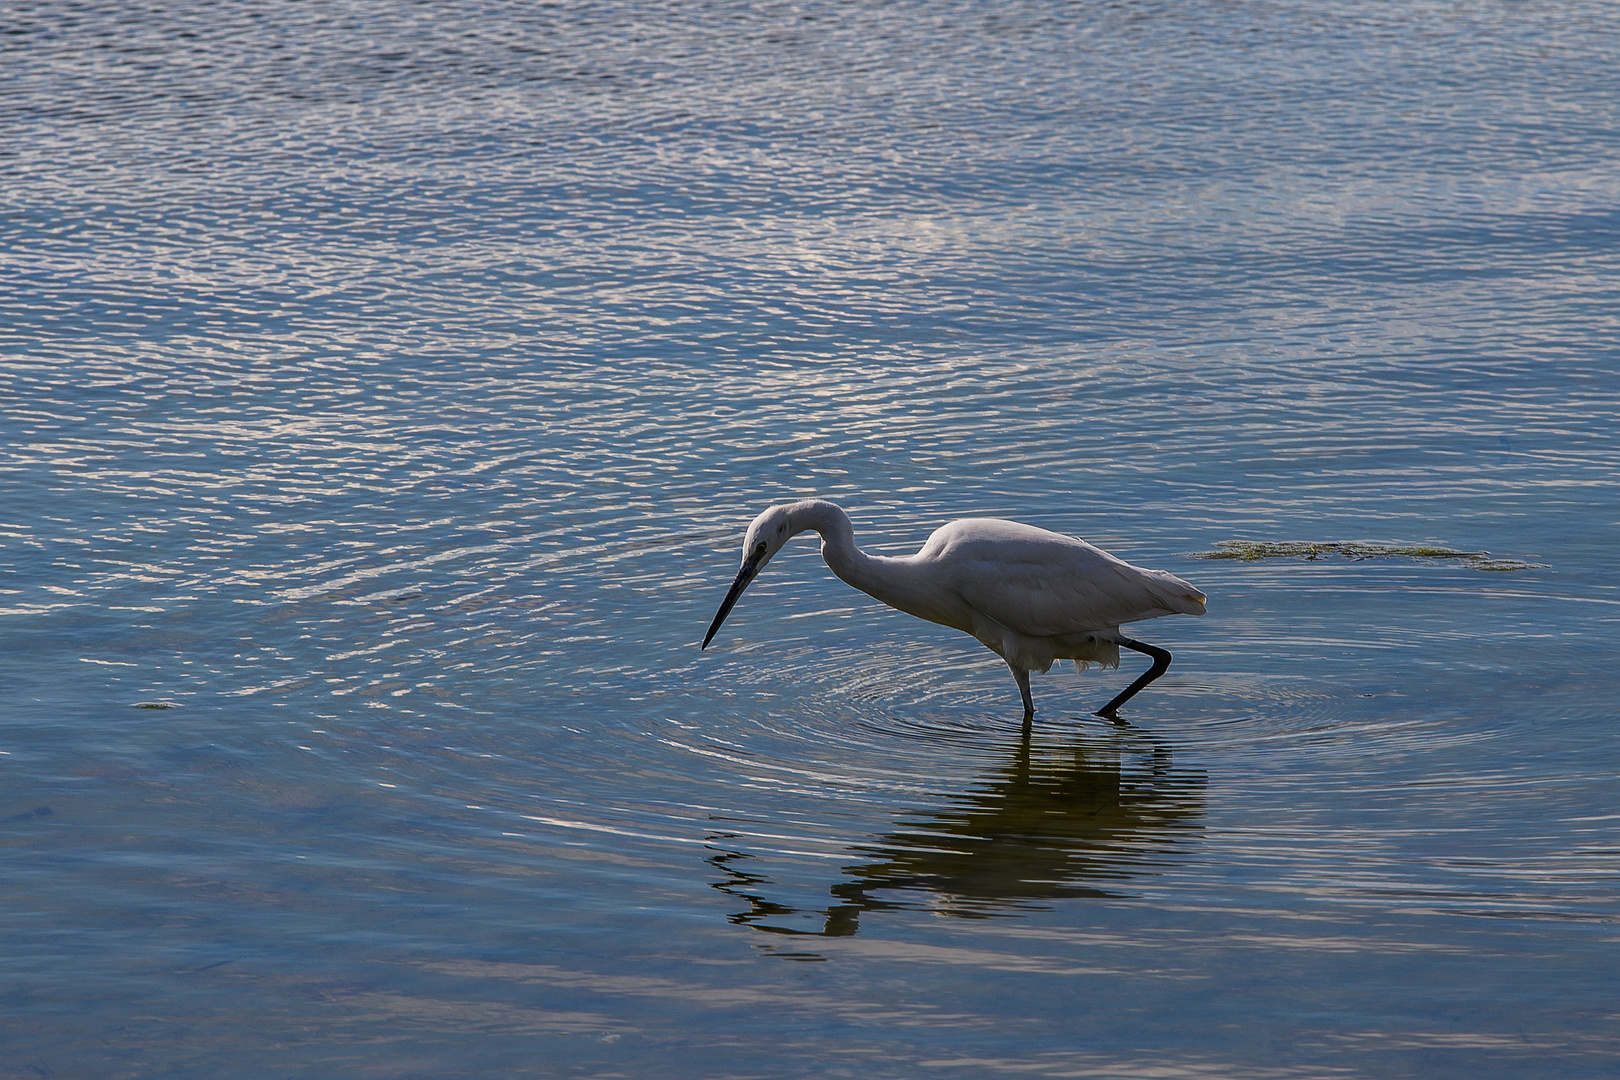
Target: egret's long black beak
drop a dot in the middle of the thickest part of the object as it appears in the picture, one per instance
(750, 570)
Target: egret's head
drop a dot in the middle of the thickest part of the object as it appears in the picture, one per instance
(765, 538)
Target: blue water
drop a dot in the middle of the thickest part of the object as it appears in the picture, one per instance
(385, 389)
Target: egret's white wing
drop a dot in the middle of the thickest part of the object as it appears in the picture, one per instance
(1044, 584)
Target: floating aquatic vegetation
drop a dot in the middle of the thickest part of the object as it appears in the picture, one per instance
(156, 705)
(1252, 550)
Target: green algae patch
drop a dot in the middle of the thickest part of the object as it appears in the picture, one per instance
(1254, 550)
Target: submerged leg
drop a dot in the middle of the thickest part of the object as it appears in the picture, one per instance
(1023, 688)
(1161, 664)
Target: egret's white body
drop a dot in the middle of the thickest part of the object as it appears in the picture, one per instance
(1029, 595)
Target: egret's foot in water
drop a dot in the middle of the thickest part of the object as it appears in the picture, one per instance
(1023, 688)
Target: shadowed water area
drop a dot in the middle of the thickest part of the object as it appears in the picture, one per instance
(385, 390)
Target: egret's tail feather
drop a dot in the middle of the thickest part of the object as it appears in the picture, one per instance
(1177, 596)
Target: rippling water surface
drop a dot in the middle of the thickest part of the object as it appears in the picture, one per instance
(386, 388)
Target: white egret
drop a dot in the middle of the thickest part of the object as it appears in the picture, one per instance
(1029, 595)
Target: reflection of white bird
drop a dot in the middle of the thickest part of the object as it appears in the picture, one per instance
(1029, 595)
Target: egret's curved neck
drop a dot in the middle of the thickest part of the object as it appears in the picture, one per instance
(904, 582)
(854, 566)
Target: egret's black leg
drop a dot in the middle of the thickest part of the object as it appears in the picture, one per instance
(1161, 664)
(1023, 688)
